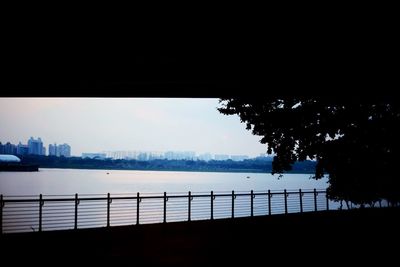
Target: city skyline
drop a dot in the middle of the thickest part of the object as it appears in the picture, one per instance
(37, 147)
(115, 124)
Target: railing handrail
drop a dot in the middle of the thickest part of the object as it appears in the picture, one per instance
(53, 212)
(6, 198)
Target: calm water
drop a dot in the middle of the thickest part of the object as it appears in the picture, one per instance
(71, 181)
(57, 215)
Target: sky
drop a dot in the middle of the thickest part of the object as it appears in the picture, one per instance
(91, 125)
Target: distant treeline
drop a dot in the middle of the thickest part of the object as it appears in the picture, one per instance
(249, 165)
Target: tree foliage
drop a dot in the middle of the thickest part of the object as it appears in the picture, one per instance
(355, 141)
(261, 165)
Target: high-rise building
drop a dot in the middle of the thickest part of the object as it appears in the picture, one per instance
(35, 147)
(22, 149)
(10, 149)
(64, 150)
(60, 150)
(53, 150)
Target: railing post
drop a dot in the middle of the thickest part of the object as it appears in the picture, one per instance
(76, 211)
(137, 208)
(165, 207)
(1, 213)
(189, 202)
(108, 209)
(269, 202)
(40, 211)
(212, 205)
(251, 203)
(315, 199)
(327, 200)
(284, 192)
(233, 204)
(301, 200)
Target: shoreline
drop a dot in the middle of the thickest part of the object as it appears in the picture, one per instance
(246, 166)
(177, 170)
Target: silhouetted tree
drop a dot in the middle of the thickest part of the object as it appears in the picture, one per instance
(355, 141)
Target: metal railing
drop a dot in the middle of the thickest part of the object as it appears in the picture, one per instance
(56, 212)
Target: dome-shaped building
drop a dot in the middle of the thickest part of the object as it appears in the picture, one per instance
(13, 163)
(9, 158)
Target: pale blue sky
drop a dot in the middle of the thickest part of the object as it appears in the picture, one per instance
(142, 124)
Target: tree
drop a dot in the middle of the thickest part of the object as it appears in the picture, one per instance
(355, 141)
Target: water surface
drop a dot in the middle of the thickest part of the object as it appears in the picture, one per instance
(71, 181)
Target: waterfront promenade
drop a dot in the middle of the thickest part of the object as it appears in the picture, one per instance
(336, 237)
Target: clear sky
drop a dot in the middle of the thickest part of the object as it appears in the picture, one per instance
(141, 124)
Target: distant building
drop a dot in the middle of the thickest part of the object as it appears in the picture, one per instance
(239, 157)
(64, 150)
(205, 157)
(60, 150)
(9, 158)
(9, 148)
(53, 150)
(142, 157)
(22, 149)
(12, 149)
(264, 157)
(94, 155)
(221, 157)
(178, 155)
(35, 147)
(138, 155)
(13, 163)
(169, 155)
(189, 155)
(155, 155)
